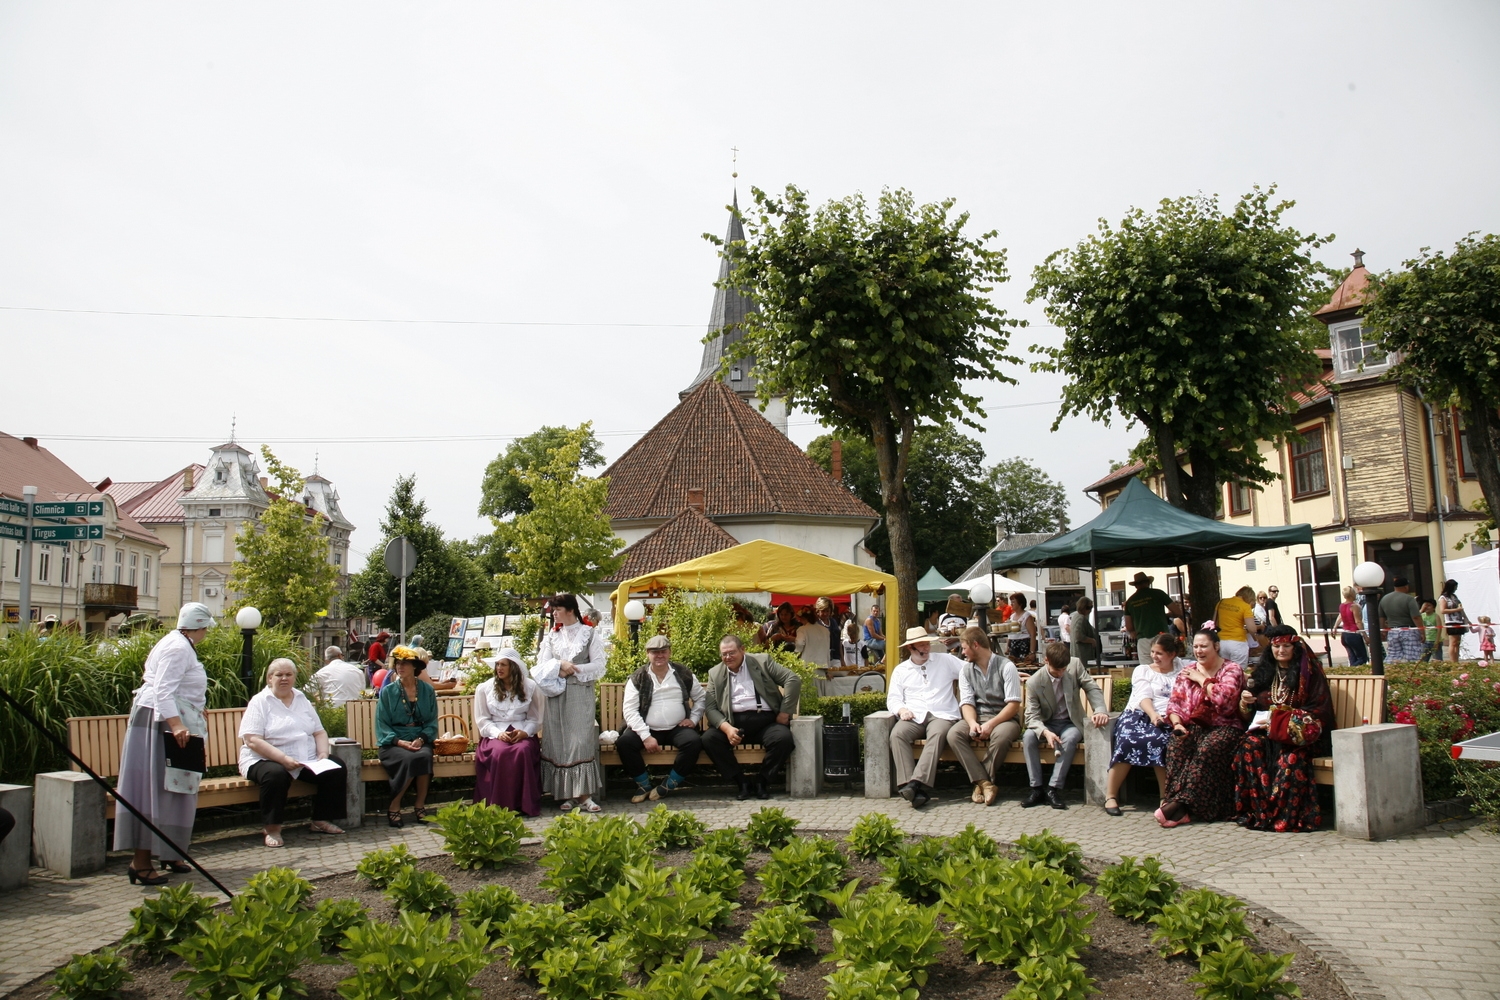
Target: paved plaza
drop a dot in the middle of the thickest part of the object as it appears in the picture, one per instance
(1416, 918)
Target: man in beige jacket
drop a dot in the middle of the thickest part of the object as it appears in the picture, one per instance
(1054, 714)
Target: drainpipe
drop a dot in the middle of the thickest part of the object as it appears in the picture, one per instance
(1432, 470)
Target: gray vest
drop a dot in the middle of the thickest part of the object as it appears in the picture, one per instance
(645, 687)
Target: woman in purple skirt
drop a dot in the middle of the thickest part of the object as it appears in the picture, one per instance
(508, 712)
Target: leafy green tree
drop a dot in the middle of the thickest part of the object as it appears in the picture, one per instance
(505, 493)
(564, 543)
(283, 566)
(953, 501)
(1442, 314)
(446, 578)
(876, 325)
(1027, 499)
(1192, 323)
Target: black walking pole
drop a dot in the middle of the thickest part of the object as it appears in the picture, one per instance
(25, 714)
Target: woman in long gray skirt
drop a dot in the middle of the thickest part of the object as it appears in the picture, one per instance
(171, 699)
(573, 653)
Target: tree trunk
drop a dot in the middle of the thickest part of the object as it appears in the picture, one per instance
(1200, 496)
(1484, 443)
(890, 456)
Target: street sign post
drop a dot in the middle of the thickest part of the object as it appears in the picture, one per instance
(66, 532)
(68, 508)
(400, 560)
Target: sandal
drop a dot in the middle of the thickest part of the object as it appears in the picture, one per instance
(419, 813)
(1112, 810)
(273, 840)
(180, 867)
(148, 877)
(394, 819)
(590, 806)
(324, 827)
(567, 805)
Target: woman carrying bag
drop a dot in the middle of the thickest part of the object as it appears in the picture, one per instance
(569, 659)
(168, 706)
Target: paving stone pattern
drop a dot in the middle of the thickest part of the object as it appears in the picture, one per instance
(1416, 918)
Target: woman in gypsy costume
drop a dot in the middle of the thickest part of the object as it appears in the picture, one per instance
(1273, 774)
(507, 712)
(569, 660)
(1206, 732)
(171, 699)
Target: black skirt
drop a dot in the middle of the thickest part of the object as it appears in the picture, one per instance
(402, 765)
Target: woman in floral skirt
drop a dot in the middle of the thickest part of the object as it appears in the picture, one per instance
(1206, 732)
(1273, 775)
(1141, 731)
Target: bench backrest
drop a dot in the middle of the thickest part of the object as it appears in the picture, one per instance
(1356, 699)
(98, 739)
(361, 716)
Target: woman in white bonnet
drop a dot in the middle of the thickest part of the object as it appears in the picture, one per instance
(170, 701)
(508, 712)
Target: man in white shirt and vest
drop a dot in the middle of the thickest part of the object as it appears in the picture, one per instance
(663, 706)
(922, 695)
(339, 681)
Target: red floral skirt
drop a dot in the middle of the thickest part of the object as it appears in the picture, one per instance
(1273, 786)
(1200, 771)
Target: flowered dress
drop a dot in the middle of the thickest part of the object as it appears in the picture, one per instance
(1273, 782)
(1138, 742)
(1200, 762)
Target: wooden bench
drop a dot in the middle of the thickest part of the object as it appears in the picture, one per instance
(1357, 699)
(361, 723)
(612, 717)
(1016, 754)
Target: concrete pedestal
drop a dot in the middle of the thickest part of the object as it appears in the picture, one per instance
(1377, 781)
(15, 850)
(68, 829)
(880, 770)
(1098, 744)
(351, 756)
(804, 772)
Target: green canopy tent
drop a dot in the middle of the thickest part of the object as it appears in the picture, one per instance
(933, 586)
(1141, 529)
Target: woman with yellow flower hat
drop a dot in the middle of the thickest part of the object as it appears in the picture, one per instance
(406, 718)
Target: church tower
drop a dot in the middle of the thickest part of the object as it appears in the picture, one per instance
(730, 308)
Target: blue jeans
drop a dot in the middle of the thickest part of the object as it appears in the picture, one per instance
(1354, 645)
(1031, 746)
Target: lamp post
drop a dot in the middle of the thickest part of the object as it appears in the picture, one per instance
(635, 611)
(981, 594)
(248, 620)
(1369, 577)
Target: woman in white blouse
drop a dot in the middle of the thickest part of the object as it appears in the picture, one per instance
(508, 713)
(283, 739)
(1141, 731)
(569, 659)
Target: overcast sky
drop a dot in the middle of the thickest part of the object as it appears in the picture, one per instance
(549, 170)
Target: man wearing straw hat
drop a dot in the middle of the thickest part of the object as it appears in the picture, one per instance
(1145, 615)
(922, 696)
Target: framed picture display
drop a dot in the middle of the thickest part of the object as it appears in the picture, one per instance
(494, 625)
(475, 625)
(471, 639)
(456, 628)
(455, 646)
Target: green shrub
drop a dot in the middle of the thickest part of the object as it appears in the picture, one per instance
(1047, 848)
(587, 857)
(493, 903)
(685, 979)
(801, 872)
(831, 707)
(250, 951)
(1198, 922)
(334, 917)
(770, 827)
(880, 981)
(424, 892)
(95, 976)
(778, 929)
(413, 959)
(669, 828)
(1481, 782)
(972, 842)
(653, 916)
(379, 867)
(714, 873)
(1005, 911)
(1136, 891)
(915, 870)
(335, 719)
(1237, 973)
(741, 973)
(1051, 977)
(728, 844)
(159, 924)
(480, 835)
(279, 888)
(584, 969)
(873, 835)
(530, 931)
(880, 926)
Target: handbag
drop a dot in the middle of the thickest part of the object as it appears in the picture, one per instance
(184, 765)
(1296, 726)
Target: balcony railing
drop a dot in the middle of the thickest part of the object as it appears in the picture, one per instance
(109, 595)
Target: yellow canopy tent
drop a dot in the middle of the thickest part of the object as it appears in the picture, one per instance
(761, 566)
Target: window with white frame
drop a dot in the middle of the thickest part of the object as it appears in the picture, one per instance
(213, 547)
(67, 563)
(44, 565)
(119, 565)
(134, 566)
(15, 571)
(96, 572)
(1174, 586)
(1353, 353)
(146, 577)
(1320, 601)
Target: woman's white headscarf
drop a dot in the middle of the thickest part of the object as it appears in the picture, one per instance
(508, 653)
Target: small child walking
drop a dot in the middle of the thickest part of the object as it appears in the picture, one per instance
(1486, 641)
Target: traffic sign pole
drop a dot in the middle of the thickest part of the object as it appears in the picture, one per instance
(400, 559)
(24, 615)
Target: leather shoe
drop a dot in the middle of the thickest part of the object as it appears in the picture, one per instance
(762, 790)
(919, 796)
(991, 793)
(744, 783)
(1037, 797)
(907, 790)
(1054, 798)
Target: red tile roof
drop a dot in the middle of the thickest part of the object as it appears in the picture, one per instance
(21, 465)
(715, 441)
(686, 536)
(158, 505)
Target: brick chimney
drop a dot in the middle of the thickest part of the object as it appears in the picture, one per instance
(104, 484)
(30, 443)
(187, 480)
(695, 499)
(838, 460)
(265, 483)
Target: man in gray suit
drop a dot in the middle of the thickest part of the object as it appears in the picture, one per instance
(1054, 714)
(751, 699)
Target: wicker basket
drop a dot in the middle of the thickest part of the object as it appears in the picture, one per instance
(452, 746)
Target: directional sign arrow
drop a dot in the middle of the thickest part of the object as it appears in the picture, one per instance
(68, 508)
(66, 532)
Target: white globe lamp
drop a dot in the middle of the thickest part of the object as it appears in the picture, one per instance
(248, 618)
(1369, 577)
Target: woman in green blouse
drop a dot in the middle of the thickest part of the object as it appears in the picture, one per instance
(405, 725)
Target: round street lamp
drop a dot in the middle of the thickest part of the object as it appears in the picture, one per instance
(981, 594)
(635, 611)
(1369, 577)
(248, 620)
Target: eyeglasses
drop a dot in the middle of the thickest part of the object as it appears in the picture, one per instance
(1273, 590)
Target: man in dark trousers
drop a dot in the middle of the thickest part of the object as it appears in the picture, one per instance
(751, 699)
(663, 706)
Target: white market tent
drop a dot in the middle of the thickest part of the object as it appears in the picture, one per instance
(1478, 579)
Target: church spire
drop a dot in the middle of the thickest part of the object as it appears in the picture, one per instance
(730, 308)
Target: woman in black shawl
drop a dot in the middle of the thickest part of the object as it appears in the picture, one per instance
(1288, 705)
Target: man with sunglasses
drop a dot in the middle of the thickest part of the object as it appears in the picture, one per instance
(1273, 611)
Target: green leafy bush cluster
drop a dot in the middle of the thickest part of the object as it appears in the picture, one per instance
(531, 930)
(491, 903)
(1047, 848)
(831, 707)
(335, 917)
(480, 835)
(781, 928)
(874, 835)
(879, 926)
(419, 891)
(583, 969)
(1136, 891)
(280, 888)
(802, 871)
(733, 973)
(770, 827)
(653, 916)
(1198, 922)
(670, 828)
(973, 843)
(878, 981)
(1235, 972)
(728, 844)
(1051, 977)
(250, 950)
(414, 959)
(586, 857)
(915, 870)
(97, 975)
(714, 873)
(379, 867)
(160, 924)
(1004, 911)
